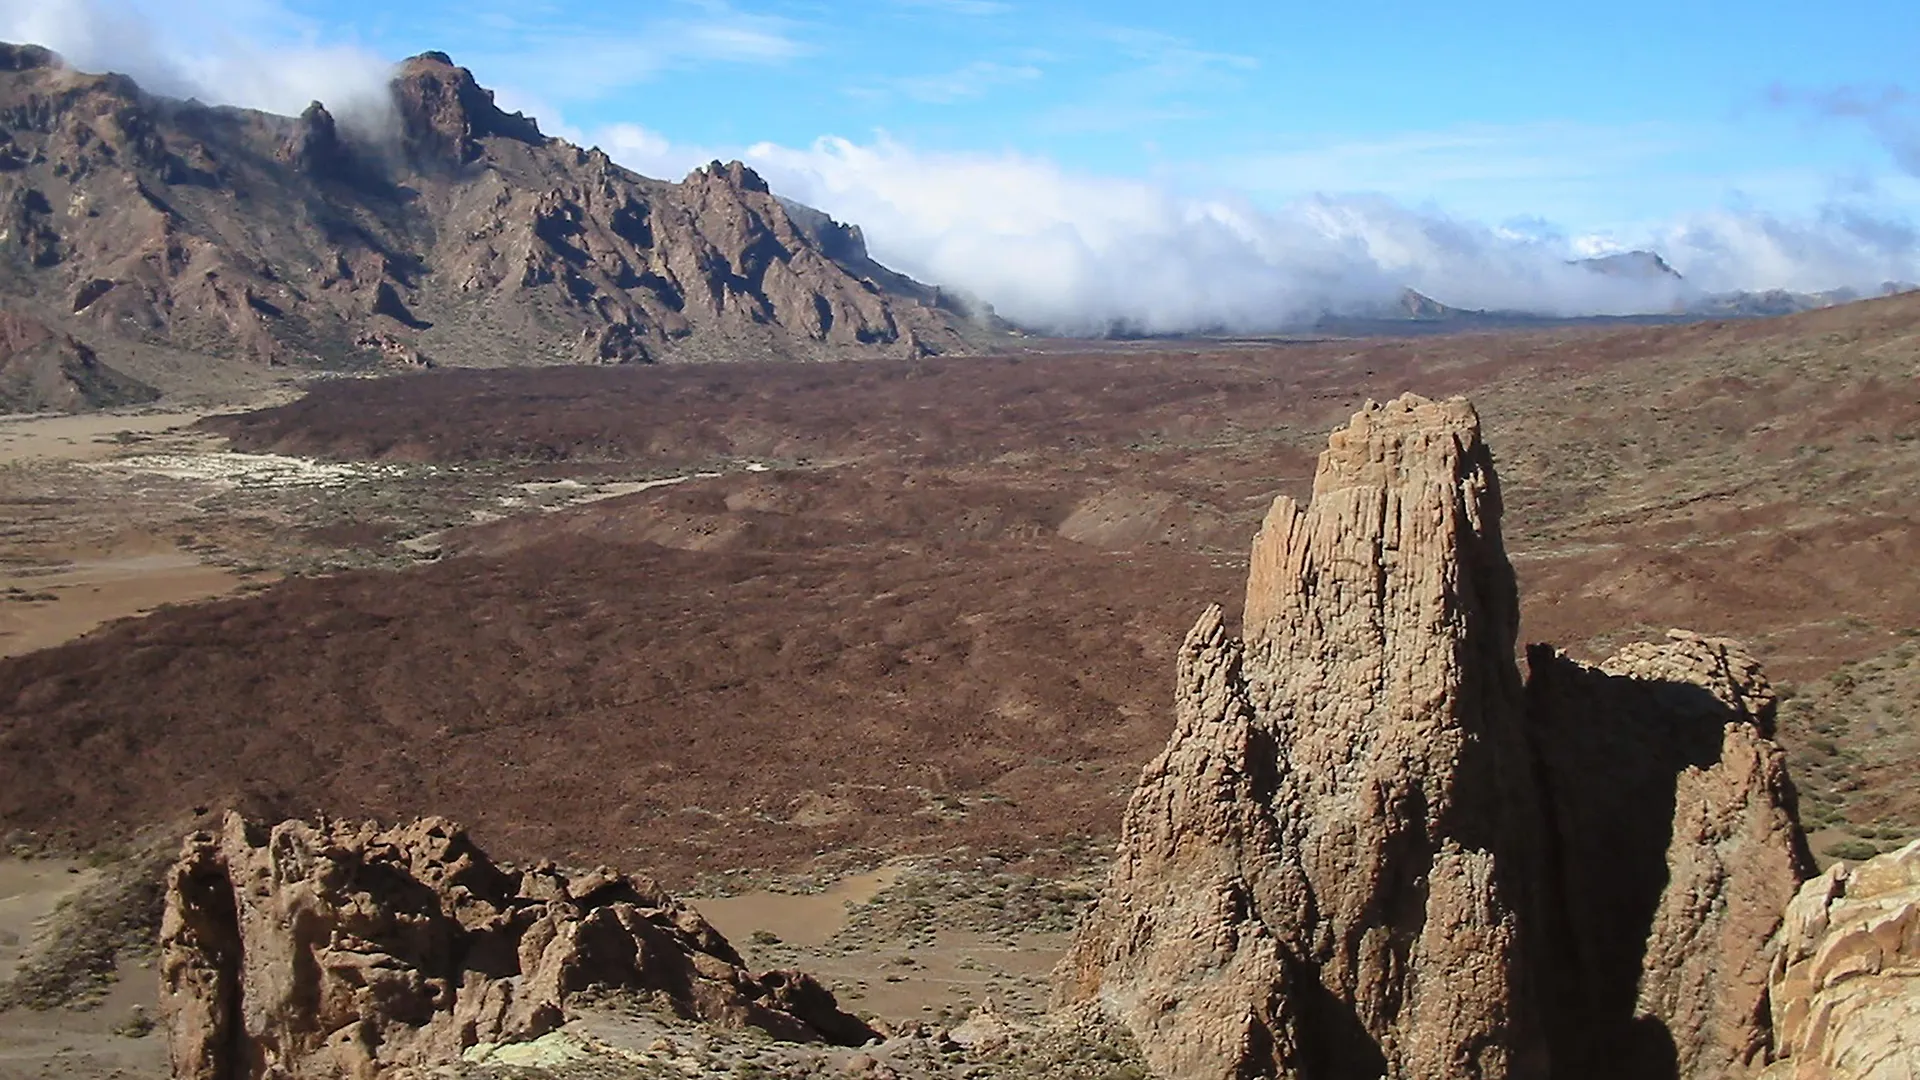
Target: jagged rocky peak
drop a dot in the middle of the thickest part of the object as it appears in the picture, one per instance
(1368, 849)
(445, 113)
(458, 231)
(735, 174)
(344, 949)
(28, 57)
(314, 146)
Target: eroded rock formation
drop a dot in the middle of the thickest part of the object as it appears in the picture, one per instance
(1845, 983)
(1369, 851)
(347, 950)
(1314, 877)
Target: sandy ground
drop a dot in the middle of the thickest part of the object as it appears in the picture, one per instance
(79, 548)
(96, 1041)
(851, 937)
(59, 603)
(92, 437)
(799, 919)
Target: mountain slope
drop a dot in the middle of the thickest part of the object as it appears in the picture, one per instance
(452, 231)
(42, 370)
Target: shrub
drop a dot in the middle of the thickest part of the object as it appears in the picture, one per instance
(1852, 850)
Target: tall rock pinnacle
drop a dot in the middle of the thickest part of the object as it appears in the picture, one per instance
(1315, 875)
(1368, 850)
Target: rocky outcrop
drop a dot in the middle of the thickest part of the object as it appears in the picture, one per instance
(445, 114)
(44, 370)
(347, 950)
(1845, 983)
(1316, 878)
(1368, 850)
(449, 223)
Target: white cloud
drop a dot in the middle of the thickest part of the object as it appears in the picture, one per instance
(1079, 253)
(1046, 245)
(253, 53)
(942, 88)
(971, 8)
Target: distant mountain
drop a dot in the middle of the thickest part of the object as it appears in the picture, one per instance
(1416, 313)
(457, 234)
(1644, 265)
(1782, 302)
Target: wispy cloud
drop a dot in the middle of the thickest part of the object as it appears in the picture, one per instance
(595, 60)
(256, 53)
(1891, 113)
(1146, 78)
(970, 8)
(972, 80)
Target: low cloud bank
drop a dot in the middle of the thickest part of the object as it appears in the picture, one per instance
(1078, 253)
(251, 53)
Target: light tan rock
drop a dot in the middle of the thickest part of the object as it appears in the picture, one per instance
(1845, 983)
(346, 950)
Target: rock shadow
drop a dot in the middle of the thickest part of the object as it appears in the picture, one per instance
(1609, 752)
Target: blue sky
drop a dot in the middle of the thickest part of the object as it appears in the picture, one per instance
(1628, 112)
(1757, 145)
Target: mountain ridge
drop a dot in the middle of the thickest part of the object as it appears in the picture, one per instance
(462, 236)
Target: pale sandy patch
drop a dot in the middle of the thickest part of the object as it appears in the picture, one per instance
(57, 604)
(804, 919)
(88, 437)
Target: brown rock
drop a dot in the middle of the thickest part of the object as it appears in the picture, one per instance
(1845, 983)
(1367, 851)
(306, 950)
(1313, 876)
(244, 236)
(42, 369)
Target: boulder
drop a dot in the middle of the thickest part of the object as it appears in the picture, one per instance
(337, 949)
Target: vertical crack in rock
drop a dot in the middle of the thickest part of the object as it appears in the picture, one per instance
(1368, 850)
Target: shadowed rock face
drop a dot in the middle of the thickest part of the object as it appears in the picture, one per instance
(1676, 849)
(1367, 850)
(345, 950)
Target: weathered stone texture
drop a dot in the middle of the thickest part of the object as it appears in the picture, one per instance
(345, 950)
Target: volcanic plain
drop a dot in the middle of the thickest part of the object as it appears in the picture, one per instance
(907, 625)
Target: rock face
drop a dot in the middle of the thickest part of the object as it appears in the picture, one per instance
(1368, 850)
(1314, 877)
(1845, 983)
(43, 370)
(448, 223)
(346, 950)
